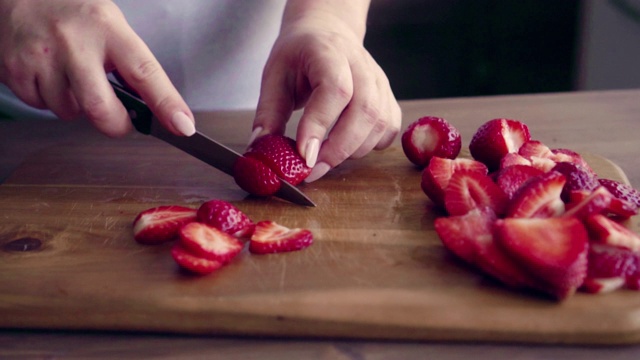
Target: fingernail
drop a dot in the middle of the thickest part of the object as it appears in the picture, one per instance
(254, 135)
(311, 152)
(183, 123)
(317, 172)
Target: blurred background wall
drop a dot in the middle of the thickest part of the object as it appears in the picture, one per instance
(445, 48)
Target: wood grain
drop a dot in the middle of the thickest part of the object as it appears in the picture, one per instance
(376, 271)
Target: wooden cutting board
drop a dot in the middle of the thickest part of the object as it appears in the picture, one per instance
(376, 269)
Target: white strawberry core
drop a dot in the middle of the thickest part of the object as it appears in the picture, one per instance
(424, 137)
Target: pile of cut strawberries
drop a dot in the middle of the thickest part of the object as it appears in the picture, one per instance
(213, 235)
(529, 216)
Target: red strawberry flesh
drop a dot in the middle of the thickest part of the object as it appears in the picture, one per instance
(193, 263)
(538, 197)
(496, 138)
(430, 136)
(436, 176)
(468, 190)
(553, 250)
(161, 224)
(271, 237)
(210, 243)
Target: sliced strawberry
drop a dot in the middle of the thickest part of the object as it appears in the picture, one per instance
(595, 202)
(226, 217)
(535, 148)
(511, 178)
(255, 177)
(622, 209)
(161, 224)
(193, 263)
(496, 138)
(606, 231)
(430, 136)
(280, 154)
(538, 197)
(436, 176)
(553, 250)
(470, 237)
(270, 237)
(566, 155)
(578, 178)
(468, 190)
(622, 191)
(209, 243)
(602, 285)
(616, 208)
(511, 159)
(606, 261)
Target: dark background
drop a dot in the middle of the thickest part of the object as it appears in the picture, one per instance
(448, 48)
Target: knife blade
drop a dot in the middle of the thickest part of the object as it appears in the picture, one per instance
(198, 145)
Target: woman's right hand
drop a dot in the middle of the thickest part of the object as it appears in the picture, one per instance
(55, 55)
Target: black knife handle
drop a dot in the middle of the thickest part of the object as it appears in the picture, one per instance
(139, 112)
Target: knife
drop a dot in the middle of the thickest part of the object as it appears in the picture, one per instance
(198, 145)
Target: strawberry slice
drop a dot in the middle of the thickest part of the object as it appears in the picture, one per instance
(595, 202)
(602, 285)
(578, 178)
(553, 250)
(496, 138)
(535, 148)
(192, 263)
(511, 159)
(511, 178)
(255, 177)
(566, 155)
(207, 242)
(428, 137)
(271, 237)
(606, 231)
(622, 191)
(226, 217)
(470, 237)
(436, 176)
(468, 190)
(538, 197)
(606, 261)
(161, 224)
(280, 154)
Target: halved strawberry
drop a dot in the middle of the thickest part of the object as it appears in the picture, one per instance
(271, 237)
(578, 178)
(468, 190)
(595, 202)
(606, 231)
(606, 261)
(280, 154)
(535, 148)
(511, 159)
(622, 191)
(553, 250)
(161, 224)
(538, 197)
(210, 243)
(430, 136)
(496, 138)
(602, 285)
(436, 176)
(193, 263)
(566, 155)
(226, 217)
(470, 237)
(255, 177)
(511, 178)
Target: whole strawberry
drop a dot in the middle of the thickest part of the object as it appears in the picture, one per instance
(430, 136)
(496, 138)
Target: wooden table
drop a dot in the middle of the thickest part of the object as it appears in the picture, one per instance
(602, 123)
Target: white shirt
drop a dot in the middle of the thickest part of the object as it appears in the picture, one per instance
(214, 51)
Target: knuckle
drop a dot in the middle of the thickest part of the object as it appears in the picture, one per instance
(100, 13)
(144, 70)
(96, 109)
